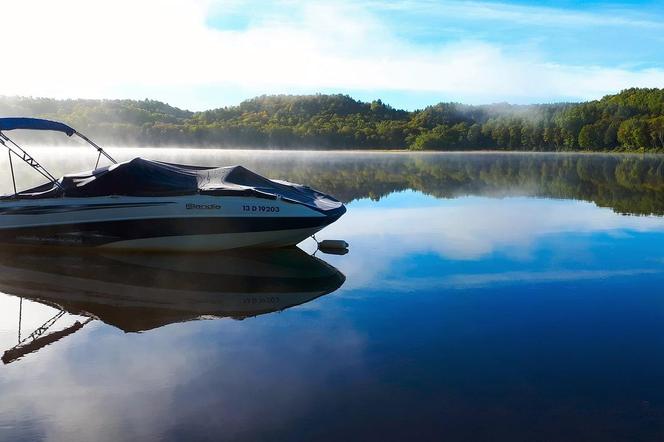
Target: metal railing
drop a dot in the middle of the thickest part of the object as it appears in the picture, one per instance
(19, 152)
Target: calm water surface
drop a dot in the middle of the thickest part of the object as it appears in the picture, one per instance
(485, 297)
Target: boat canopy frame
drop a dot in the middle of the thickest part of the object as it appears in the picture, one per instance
(7, 124)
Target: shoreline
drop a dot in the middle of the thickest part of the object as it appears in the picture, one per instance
(361, 151)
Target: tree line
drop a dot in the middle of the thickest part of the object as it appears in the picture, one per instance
(632, 120)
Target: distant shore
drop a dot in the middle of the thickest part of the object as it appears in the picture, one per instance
(630, 121)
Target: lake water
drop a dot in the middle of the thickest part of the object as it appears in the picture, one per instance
(485, 297)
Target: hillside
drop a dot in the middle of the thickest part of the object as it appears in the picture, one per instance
(632, 120)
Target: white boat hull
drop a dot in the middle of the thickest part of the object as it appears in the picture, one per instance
(179, 223)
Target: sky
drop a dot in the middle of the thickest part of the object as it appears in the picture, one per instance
(202, 54)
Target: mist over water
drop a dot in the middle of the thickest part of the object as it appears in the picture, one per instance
(626, 183)
(484, 297)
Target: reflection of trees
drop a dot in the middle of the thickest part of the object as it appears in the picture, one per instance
(627, 184)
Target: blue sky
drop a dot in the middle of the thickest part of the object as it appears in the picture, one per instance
(201, 54)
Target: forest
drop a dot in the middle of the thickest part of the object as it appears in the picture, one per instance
(631, 121)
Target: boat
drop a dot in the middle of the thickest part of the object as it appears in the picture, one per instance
(142, 291)
(144, 204)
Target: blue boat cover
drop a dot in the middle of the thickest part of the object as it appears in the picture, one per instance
(34, 124)
(141, 177)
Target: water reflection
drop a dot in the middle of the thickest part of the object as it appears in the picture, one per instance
(409, 239)
(139, 291)
(628, 184)
(488, 297)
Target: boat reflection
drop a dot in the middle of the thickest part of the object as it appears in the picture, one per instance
(138, 292)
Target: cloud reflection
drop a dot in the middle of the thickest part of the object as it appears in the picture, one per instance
(102, 384)
(468, 229)
(252, 379)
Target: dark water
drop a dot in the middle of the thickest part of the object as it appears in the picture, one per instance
(485, 297)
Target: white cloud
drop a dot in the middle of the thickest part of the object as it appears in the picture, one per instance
(80, 48)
